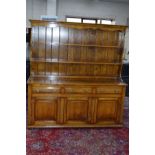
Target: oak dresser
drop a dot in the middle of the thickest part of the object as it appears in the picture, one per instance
(75, 75)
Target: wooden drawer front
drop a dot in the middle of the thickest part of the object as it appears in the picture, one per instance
(109, 89)
(77, 109)
(107, 109)
(48, 89)
(78, 90)
(45, 109)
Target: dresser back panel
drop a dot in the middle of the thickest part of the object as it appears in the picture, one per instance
(72, 49)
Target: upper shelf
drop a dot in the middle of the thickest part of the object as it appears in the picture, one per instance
(82, 45)
(73, 62)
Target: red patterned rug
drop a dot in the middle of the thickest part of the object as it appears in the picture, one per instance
(98, 141)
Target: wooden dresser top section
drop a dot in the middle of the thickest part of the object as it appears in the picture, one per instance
(76, 51)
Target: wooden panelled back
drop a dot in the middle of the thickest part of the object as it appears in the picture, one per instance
(73, 49)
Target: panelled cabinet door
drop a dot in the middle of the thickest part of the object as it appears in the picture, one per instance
(108, 110)
(104, 111)
(43, 110)
(77, 110)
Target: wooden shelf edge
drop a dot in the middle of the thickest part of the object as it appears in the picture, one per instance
(41, 124)
(74, 62)
(82, 45)
(74, 80)
(73, 76)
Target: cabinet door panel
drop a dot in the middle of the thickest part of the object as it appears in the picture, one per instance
(45, 109)
(107, 109)
(77, 109)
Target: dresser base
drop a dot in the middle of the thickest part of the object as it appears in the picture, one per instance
(70, 105)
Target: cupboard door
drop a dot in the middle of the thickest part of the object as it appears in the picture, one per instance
(77, 110)
(108, 110)
(45, 109)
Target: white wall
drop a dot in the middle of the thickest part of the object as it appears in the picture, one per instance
(88, 8)
(29, 14)
(94, 8)
(51, 7)
(34, 9)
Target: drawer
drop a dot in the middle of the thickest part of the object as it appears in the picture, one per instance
(48, 89)
(78, 90)
(109, 89)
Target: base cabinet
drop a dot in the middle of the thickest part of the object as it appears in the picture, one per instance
(85, 107)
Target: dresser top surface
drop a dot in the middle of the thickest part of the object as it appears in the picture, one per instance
(75, 81)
